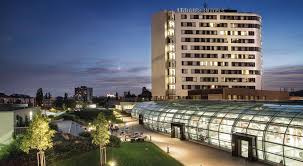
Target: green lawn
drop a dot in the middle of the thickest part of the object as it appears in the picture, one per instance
(129, 154)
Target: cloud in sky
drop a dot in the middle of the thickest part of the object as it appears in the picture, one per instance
(105, 76)
(283, 77)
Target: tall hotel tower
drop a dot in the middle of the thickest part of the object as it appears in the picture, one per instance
(205, 49)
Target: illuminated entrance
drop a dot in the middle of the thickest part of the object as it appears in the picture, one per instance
(141, 119)
(244, 145)
(178, 130)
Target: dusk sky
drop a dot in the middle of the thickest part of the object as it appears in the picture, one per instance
(105, 44)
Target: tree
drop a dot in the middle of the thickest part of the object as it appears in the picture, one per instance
(58, 103)
(117, 96)
(39, 97)
(65, 98)
(101, 136)
(38, 136)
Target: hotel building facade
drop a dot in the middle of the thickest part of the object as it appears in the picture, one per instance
(205, 50)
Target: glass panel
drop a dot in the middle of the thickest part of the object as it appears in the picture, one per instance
(225, 144)
(260, 154)
(261, 118)
(297, 122)
(274, 137)
(242, 124)
(213, 135)
(273, 148)
(258, 126)
(291, 162)
(194, 121)
(293, 140)
(239, 130)
(274, 158)
(293, 153)
(244, 148)
(214, 142)
(276, 128)
(225, 129)
(282, 120)
(224, 137)
(247, 117)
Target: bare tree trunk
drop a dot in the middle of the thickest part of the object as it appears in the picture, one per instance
(102, 155)
(101, 163)
(41, 158)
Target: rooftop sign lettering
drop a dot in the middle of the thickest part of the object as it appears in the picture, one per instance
(199, 10)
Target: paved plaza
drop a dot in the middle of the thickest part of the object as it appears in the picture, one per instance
(190, 153)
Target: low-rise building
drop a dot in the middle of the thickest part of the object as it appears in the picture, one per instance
(13, 119)
(84, 93)
(16, 99)
(125, 106)
(238, 94)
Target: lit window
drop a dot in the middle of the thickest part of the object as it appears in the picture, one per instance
(172, 72)
(171, 47)
(172, 87)
(211, 24)
(172, 55)
(171, 24)
(172, 80)
(246, 72)
(171, 32)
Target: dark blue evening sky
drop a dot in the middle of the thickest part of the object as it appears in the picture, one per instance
(105, 44)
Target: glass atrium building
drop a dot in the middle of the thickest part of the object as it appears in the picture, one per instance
(268, 132)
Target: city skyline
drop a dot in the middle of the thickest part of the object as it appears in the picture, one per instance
(104, 45)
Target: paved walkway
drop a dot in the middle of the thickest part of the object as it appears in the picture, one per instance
(190, 153)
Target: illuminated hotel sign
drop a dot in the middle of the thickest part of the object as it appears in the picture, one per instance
(199, 10)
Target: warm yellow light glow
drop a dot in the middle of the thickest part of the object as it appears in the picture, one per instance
(211, 24)
(112, 163)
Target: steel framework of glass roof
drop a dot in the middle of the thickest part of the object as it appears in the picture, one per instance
(278, 128)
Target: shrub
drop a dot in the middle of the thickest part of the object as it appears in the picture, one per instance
(85, 134)
(69, 117)
(53, 126)
(114, 141)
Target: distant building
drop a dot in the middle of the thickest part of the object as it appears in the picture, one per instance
(110, 95)
(145, 95)
(48, 103)
(239, 94)
(83, 93)
(16, 99)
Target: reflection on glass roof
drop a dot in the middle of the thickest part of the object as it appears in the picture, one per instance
(278, 128)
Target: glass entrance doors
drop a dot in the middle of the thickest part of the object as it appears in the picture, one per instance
(177, 132)
(244, 145)
(244, 148)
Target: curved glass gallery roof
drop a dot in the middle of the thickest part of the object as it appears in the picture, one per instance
(277, 129)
